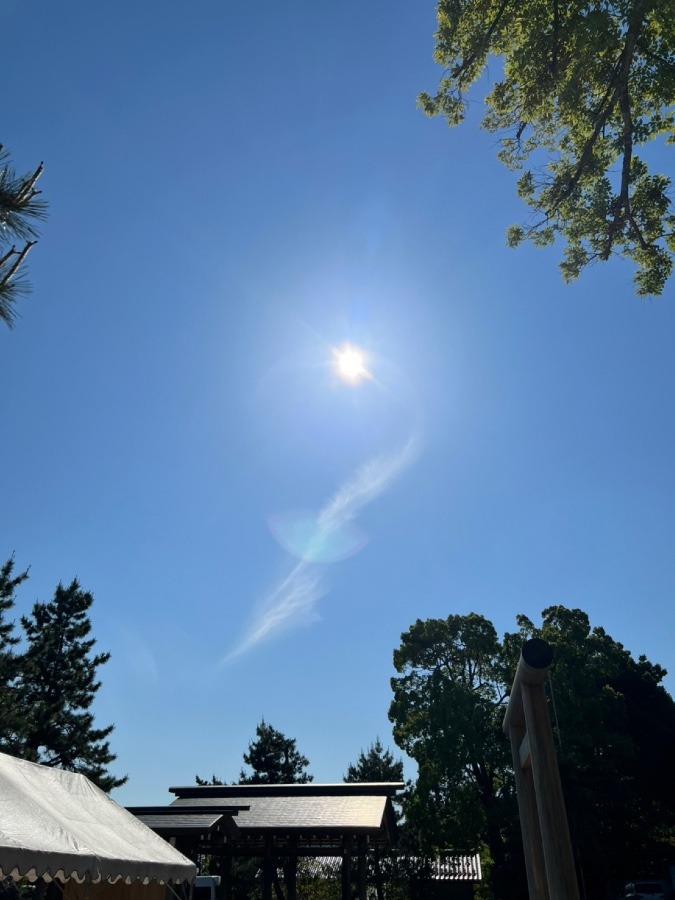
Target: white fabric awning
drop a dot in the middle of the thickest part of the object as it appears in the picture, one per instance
(56, 824)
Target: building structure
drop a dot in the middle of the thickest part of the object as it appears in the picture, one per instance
(278, 825)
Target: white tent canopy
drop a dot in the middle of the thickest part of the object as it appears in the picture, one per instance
(56, 824)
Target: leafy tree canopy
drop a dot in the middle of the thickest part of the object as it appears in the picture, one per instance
(376, 764)
(614, 724)
(20, 207)
(585, 84)
(446, 712)
(57, 686)
(274, 759)
(10, 709)
(48, 682)
(203, 782)
(9, 582)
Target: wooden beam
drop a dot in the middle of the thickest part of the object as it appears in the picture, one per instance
(535, 866)
(346, 869)
(535, 660)
(555, 836)
(361, 850)
(267, 873)
(546, 841)
(524, 757)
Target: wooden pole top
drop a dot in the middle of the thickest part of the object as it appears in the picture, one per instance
(535, 661)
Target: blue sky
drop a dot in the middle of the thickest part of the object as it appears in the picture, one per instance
(235, 190)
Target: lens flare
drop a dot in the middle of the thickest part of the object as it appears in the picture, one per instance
(301, 535)
(350, 364)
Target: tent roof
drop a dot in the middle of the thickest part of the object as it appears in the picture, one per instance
(57, 824)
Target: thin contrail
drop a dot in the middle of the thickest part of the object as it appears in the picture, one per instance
(369, 481)
(293, 601)
(290, 603)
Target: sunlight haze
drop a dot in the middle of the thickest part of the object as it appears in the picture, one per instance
(281, 388)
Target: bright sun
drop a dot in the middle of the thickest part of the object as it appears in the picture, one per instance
(350, 363)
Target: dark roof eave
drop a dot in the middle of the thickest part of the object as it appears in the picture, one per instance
(343, 788)
(328, 830)
(170, 821)
(186, 809)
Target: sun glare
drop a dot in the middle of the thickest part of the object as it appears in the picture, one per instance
(350, 363)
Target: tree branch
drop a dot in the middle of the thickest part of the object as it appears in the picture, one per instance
(485, 45)
(616, 92)
(20, 256)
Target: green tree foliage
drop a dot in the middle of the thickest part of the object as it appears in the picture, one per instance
(203, 782)
(584, 85)
(391, 873)
(447, 711)
(10, 710)
(376, 764)
(20, 207)
(614, 723)
(58, 685)
(274, 759)
(615, 727)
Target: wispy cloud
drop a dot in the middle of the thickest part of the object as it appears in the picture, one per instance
(292, 602)
(369, 481)
(289, 604)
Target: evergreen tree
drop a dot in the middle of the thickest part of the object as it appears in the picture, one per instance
(10, 712)
(19, 207)
(58, 685)
(202, 782)
(376, 764)
(274, 759)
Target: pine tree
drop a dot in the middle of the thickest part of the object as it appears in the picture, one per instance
(274, 759)
(10, 713)
(202, 782)
(19, 207)
(58, 686)
(376, 764)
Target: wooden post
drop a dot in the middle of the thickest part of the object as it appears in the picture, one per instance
(226, 873)
(267, 870)
(379, 886)
(529, 819)
(361, 849)
(546, 841)
(346, 872)
(291, 870)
